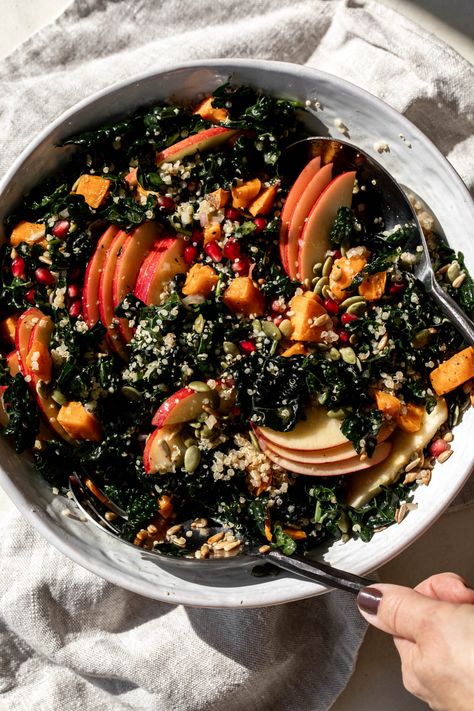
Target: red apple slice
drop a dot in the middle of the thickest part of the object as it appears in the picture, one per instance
(203, 141)
(183, 406)
(318, 431)
(164, 451)
(106, 303)
(158, 269)
(346, 466)
(41, 332)
(24, 327)
(315, 235)
(310, 456)
(90, 294)
(300, 215)
(134, 251)
(294, 195)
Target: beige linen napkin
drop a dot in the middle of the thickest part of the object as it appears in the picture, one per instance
(69, 640)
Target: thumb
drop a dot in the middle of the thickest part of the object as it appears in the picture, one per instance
(449, 587)
(395, 609)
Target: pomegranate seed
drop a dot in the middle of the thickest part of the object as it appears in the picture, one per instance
(241, 265)
(278, 319)
(235, 411)
(75, 309)
(232, 214)
(213, 251)
(232, 249)
(348, 318)
(438, 446)
(44, 276)
(331, 306)
(397, 288)
(197, 236)
(190, 254)
(18, 267)
(260, 224)
(73, 291)
(61, 228)
(337, 254)
(165, 204)
(248, 346)
(30, 296)
(343, 336)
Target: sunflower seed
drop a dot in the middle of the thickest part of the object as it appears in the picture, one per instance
(215, 538)
(444, 455)
(459, 281)
(453, 271)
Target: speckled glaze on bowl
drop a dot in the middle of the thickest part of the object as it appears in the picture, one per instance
(422, 167)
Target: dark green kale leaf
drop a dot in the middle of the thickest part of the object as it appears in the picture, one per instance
(379, 512)
(465, 293)
(363, 426)
(140, 504)
(283, 541)
(127, 212)
(271, 392)
(379, 264)
(23, 418)
(278, 284)
(343, 226)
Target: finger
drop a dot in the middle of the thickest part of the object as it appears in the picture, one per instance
(448, 587)
(395, 609)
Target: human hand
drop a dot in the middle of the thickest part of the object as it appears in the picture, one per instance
(433, 630)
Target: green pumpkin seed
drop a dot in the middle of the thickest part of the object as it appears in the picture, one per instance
(254, 441)
(256, 325)
(192, 457)
(454, 270)
(421, 339)
(199, 386)
(336, 414)
(270, 330)
(353, 340)
(351, 300)
(286, 328)
(198, 324)
(130, 393)
(322, 398)
(348, 355)
(189, 442)
(326, 292)
(317, 269)
(58, 397)
(343, 523)
(357, 309)
(206, 432)
(323, 281)
(327, 266)
(334, 354)
(230, 348)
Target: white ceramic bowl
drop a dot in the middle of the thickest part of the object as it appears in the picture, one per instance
(420, 166)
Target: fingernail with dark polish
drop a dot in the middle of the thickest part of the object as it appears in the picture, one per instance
(368, 600)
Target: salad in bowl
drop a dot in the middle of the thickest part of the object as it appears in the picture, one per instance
(198, 336)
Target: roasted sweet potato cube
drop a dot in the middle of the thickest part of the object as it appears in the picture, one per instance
(263, 202)
(411, 420)
(243, 194)
(39, 361)
(342, 273)
(94, 188)
(242, 296)
(79, 423)
(212, 232)
(297, 348)
(387, 403)
(29, 232)
(305, 319)
(219, 198)
(208, 112)
(373, 286)
(201, 279)
(8, 329)
(453, 372)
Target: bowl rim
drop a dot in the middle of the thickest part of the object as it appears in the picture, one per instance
(49, 529)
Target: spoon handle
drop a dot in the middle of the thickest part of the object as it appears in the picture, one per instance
(448, 306)
(318, 572)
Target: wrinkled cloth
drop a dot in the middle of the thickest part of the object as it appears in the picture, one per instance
(69, 640)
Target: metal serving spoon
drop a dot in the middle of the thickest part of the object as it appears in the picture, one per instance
(87, 495)
(383, 197)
